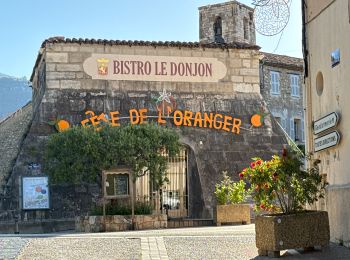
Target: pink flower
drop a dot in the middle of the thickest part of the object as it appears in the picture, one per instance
(253, 165)
(258, 162)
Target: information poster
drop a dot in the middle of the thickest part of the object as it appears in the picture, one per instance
(35, 192)
(122, 184)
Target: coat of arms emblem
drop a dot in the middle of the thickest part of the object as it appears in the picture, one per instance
(102, 66)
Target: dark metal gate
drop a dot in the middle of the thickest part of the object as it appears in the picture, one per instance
(172, 197)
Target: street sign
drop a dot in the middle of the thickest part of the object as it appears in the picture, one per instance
(326, 122)
(326, 141)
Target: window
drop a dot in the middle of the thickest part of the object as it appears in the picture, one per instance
(218, 30)
(284, 124)
(294, 85)
(275, 82)
(245, 28)
(278, 119)
(296, 130)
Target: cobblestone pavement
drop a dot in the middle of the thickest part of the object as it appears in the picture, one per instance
(226, 242)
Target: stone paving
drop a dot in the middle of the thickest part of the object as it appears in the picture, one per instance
(11, 247)
(82, 248)
(226, 242)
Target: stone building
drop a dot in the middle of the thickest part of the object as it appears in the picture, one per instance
(281, 82)
(217, 78)
(280, 75)
(326, 35)
(67, 82)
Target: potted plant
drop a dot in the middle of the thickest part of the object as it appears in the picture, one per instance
(229, 196)
(282, 187)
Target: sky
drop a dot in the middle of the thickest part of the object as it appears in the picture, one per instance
(25, 24)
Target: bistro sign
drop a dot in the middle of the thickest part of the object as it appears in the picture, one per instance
(327, 141)
(326, 123)
(154, 68)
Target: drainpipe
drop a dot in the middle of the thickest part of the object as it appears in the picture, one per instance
(307, 82)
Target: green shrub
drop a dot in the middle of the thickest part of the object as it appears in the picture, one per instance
(230, 192)
(282, 184)
(141, 208)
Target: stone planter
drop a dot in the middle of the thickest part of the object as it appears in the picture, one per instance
(281, 232)
(119, 223)
(232, 214)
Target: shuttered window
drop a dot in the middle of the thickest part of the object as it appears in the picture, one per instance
(294, 84)
(291, 129)
(275, 82)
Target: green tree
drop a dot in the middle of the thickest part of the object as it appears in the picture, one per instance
(79, 154)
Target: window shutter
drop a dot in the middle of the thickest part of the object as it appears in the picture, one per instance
(272, 82)
(291, 129)
(284, 124)
(297, 85)
(275, 82)
(302, 131)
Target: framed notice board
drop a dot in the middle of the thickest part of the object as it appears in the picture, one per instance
(35, 193)
(116, 183)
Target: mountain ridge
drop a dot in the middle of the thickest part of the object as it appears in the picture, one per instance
(14, 93)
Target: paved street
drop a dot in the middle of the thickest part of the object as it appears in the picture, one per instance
(226, 242)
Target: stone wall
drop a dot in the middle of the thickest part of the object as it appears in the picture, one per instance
(233, 15)
(119, 223)
(69, 92)
(284, 106)
(12, 133)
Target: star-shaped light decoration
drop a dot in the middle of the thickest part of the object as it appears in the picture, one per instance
(165, 103)
(164, 96)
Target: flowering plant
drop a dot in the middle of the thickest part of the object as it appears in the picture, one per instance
(281, 184)
(228, 191)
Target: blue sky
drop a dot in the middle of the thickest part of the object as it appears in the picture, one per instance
(25, 24)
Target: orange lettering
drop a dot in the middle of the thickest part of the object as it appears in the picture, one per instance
(187, 118)
(236, 124)
(178, 118)
(217, 124)
(226, 123)
(102, 117)
(161, 121)
(198, 119)
(142, 113)
(94, 120)
(137, 117)
(208, 120)
(92, 113)
(84, 122)
(114, 118)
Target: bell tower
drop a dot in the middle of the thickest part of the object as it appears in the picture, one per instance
(226, 23)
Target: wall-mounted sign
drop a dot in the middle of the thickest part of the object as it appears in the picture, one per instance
(326, 122)
(154, 68)
(335, 57)
(35, 193)
(116, 183)
(326, 141)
